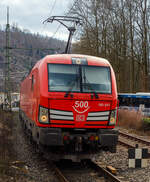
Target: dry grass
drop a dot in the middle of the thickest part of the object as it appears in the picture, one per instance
(130, 119)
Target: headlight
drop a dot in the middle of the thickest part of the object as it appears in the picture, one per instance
(43, 115)
(113, 115)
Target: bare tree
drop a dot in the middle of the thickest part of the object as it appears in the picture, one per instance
(117, 30)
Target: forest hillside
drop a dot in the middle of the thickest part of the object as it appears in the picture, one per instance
(26, 50)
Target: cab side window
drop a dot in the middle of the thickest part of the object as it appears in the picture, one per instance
(32, 83)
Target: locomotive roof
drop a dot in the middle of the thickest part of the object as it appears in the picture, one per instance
(67, 58)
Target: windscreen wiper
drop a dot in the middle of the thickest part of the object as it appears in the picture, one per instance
(72, 84)
(91, 88)
(87, 84)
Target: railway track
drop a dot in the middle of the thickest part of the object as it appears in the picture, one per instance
(135, 138)
(59, 174)
(101, 170)
(128, 141)
(102, 173)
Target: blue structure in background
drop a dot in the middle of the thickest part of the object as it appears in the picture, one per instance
(138, 101)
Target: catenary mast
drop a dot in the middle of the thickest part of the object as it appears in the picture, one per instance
(7, 102)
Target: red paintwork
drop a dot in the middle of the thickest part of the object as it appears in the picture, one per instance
(30, 100)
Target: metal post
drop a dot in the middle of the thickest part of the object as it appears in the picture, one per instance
(68, 47)
(7, 101)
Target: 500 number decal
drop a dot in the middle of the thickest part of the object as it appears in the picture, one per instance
(81, 106)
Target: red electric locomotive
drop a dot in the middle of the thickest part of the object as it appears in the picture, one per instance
(69, 103)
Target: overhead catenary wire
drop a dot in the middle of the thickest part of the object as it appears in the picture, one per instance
(58, 28)
(53, 6)
(73, 4)
(56, 31)
(68, 13)
(63, 20)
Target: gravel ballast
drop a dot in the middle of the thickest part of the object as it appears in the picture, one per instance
(119, 160)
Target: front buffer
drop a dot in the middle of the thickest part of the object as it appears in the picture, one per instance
(78, 140)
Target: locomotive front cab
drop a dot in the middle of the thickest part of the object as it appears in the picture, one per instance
(81, 105)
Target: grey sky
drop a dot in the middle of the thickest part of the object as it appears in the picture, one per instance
(29, 14)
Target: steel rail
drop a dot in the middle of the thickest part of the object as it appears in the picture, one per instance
(59, 174)
(103, 172)
(127, 145)
(134, 138)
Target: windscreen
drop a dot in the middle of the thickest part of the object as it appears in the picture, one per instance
(79, 78)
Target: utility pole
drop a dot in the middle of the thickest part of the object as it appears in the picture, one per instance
(7, 101)
(7, 82)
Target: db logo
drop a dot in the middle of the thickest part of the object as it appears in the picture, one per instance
(81, 106)
(80, 117)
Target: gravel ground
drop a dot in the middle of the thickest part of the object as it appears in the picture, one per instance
(75, 172)
(24, 165)
(119, 160)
